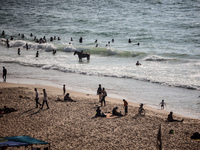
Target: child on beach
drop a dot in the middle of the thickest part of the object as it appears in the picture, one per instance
(64, 90)
(162, 104)
(125, 106)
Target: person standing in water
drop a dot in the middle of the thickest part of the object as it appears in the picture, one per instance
(4, 74)
(37, 54)
(18, 51)
(162, 104)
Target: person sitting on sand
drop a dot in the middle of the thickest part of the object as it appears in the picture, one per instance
(7, 110)
(170, 118)
(138, 63)
(115, 112)
(67, 98)
(98, 112)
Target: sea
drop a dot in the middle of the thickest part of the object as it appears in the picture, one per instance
(164, 37)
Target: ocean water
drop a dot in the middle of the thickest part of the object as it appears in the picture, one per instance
(168, 33)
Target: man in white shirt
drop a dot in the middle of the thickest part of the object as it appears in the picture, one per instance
(37, 98)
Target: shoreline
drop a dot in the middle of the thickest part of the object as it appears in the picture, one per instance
(52, 90)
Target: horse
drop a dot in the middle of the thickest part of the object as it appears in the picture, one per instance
(82, 55)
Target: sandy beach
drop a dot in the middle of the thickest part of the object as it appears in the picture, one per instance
(72, 125)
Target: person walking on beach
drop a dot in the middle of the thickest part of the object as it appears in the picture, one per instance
(162, 104)
(64, 90)
(125, 106)
(4, 74)
(45, 99)
(37, 98)
(99, 90)
(104, 94)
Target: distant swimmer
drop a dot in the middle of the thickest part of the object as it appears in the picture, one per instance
(80, 40)
(51, 39)
(95, 41)
(96, 45)
(31, 35)
(54, 52)
(11, 38)
(137, 44)
(44, 38)
(26, 46)
(3, 33)
(113, 40)
(22, 36)
(71, 39)
(138, 63)
(129, 40)
(54, 38)
(59, 38)
(18, 51)
(37, 54)
(7, 43)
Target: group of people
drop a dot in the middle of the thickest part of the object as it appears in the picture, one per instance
(44, 99)
(114, 111)
(101, 92)
(102, 95)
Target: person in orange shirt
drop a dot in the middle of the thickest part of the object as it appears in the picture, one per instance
(125, 106)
